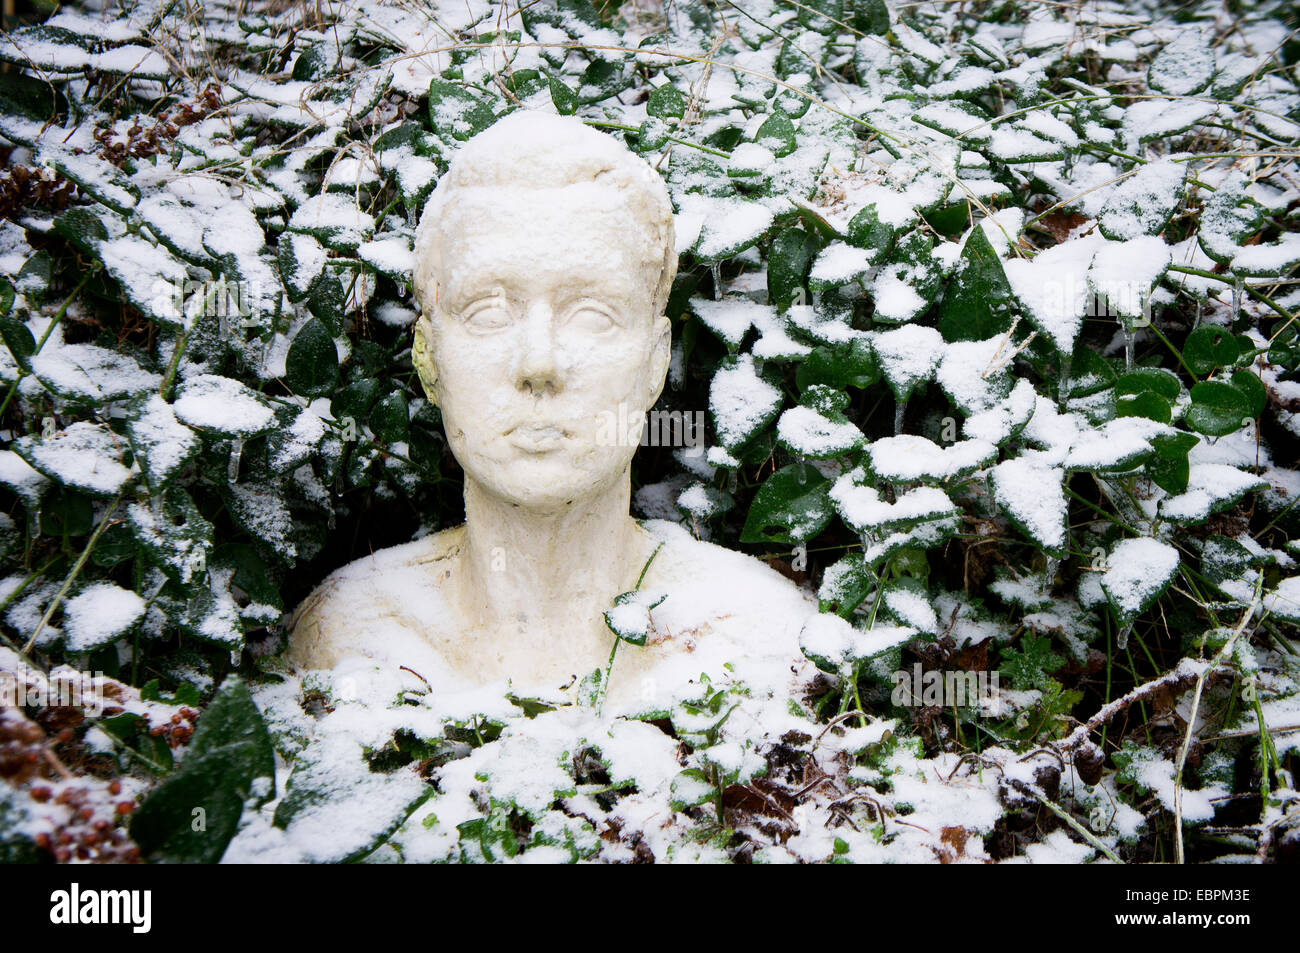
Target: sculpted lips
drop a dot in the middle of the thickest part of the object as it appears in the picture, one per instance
(536, 436)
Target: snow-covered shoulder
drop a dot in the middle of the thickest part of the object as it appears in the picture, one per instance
(747, 609)
(393, 591)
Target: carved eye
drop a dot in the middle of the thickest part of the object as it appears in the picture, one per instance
(591, 318)
(486, 316)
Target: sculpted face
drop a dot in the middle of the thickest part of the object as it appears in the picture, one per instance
(544, 327)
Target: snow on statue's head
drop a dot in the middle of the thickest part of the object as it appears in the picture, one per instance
(543, 262)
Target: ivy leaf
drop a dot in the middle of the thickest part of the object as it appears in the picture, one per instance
(1217, 408)
(1247, 381)
(390, 419)
(666, 102)
(853, 364)
(457, 112)
(1209, 347)
(1168, 466)
(230, 751)
(788, 261)
(564, 98)
(312, 366)
(629, 619)
(975, 304)
(869, 16)
(792, 506)
(777, 133)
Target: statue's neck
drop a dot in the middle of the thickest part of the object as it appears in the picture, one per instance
(548, 569)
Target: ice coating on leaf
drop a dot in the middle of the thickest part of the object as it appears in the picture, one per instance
(895, 299)
(912, 609)
(630, 618)
(1156, 774)
(741, 401)
(101, 613)
(335, 219)
(1125, 272)
(839, 263)
(910, 458)
(222, 404)
(1284, 600)
(1116, 444)
(91, 372)
(389, 254)
(1158, 118)
(834, 642)
(150, 277)
(161, 443)
(807, 432)
(1184, 66)
(975, 373)
(1274, 258)
(724, 226)
(1137, 571)
(1210, 487)
(1142, 203)
(908, 355)
(1034, 496)
(84, 456)
(19, 476)
(263, 512)
(730, 317)
(774, 342)
(1053, 288)
(998, 422)
(864, 510)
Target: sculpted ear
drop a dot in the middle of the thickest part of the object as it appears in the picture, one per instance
(660, 355)
(422, 359)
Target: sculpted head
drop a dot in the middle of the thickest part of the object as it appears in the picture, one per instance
(543, 262)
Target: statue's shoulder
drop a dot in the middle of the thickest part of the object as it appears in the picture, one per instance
(713, 582)
(395, 588)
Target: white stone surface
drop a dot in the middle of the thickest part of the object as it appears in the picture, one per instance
(543, 264)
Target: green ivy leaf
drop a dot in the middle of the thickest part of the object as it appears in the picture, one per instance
(193, 814)
(390, 419)
(455, 111)
(666, 102)
(564, 98)
(1209, 347)
(777, 133)
(1217, 408)
(975, 304)
(792, 505)
(311, 367)
(852, 364)
(788, 261)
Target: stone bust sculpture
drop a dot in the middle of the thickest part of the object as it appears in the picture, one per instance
(543, 262)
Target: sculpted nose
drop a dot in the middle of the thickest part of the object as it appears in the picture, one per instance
(538, 370)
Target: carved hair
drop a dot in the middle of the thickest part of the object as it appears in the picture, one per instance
(551, 151)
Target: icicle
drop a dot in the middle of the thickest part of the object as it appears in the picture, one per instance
(1121, 640)
(232, 468)
(1049, 574)
(1237, 286)
(803, 471)
(1130, 336)
(733, 482)
(715, 268)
